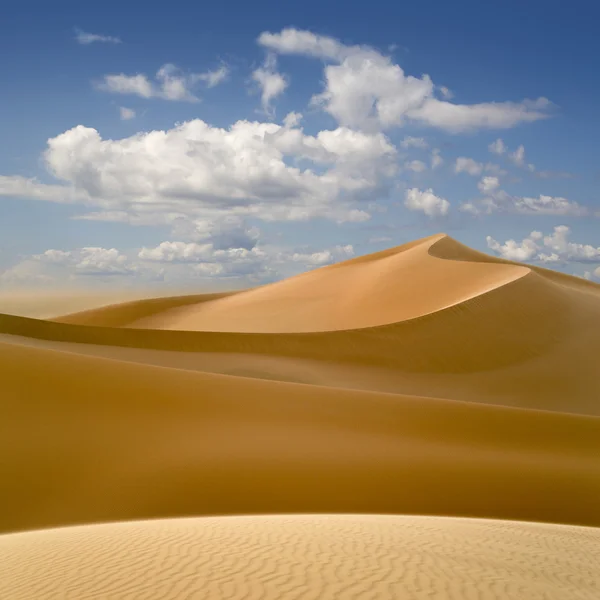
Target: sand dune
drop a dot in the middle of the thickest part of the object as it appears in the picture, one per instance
(426, 379)
(325, 557)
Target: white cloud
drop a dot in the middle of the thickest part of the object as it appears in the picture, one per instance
(497, 147)
(436, 159)
(488, 185)
(592, 275)
(498, 200)
(458, 118)
(413, 142)
(294, 41)
(324, 257)
(215, 77)
(512, 250)
(553, 248)
(18, 186)
(365, 89)
(60, 264)
(518, 156)
(85, 38)
(468, 165)
(198, 172)
(426, 202)
(271, 83)
(126, 113)
(138, 85)
(417, 166)
(446, 93)
(170, 83)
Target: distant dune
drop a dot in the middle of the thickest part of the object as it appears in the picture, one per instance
(428, 379)
(306, 556)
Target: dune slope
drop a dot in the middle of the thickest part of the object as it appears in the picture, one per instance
(424, 379)
(305, 556)
(94, 439)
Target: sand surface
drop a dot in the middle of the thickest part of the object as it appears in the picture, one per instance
(427, 379)
(304, 557)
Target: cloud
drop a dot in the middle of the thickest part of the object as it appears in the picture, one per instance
(497, 147)
(199, 172)
(413, 142)
(553, 248)
(474, 168)
(459, 118)
(295, 41)
(417, 166)
(446, 93)
(468, 165)
(426, 202)
(436, 159)
(488, 185)
(60, 264)
(518, 156)
(498, 200)
(512, 250)
(592, 275)
(85, 38)
(271, 83)
(215, 77)
(366, 89)
(126, 113)
(324, 257)
(170, 83)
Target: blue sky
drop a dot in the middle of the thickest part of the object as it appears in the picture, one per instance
(250, 141)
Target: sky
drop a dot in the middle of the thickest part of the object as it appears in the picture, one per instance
(236, 143)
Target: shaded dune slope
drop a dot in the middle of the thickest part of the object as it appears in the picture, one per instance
(93, 439)
(306, 556)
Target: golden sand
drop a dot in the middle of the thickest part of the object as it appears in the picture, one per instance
(427, 379)
(304, 557)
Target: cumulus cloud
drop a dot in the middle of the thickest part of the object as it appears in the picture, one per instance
(271, 83)
(230, 262)
(553, 248)
(426, 202)
(85, 38)
(366, 89)
(126, 113)
(199, 172)
(170, 83)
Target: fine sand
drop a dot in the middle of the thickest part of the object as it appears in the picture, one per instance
(304, 557)
(427, 379)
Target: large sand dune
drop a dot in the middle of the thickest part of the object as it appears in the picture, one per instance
(304, 557)
(425, 379)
